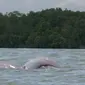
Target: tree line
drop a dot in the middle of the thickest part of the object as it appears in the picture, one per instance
(49, 28)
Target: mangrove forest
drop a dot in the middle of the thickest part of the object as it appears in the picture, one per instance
(49, 28)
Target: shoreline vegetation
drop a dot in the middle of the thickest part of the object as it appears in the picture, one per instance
(49, 28)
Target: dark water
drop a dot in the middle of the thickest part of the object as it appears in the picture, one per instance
(71, 69)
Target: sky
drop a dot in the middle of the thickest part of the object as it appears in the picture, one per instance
(37, 5)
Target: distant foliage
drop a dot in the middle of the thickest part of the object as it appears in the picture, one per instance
(50, 28)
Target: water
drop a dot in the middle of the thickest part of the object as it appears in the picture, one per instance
(71, 69)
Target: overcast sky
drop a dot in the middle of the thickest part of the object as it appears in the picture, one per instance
(37, 5)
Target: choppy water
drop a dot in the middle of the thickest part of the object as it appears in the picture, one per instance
(71, 71)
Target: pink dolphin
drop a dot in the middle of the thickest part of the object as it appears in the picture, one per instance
(4, 64)
(38, 63)
(32, 64)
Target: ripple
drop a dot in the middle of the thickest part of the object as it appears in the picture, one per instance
(71, 71)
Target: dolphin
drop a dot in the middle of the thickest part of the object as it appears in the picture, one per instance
(4, 64)
(31, 64)
(38, 63)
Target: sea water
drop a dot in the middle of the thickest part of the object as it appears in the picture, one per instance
(70, 71)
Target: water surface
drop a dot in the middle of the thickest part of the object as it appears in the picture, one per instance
(71, 69)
